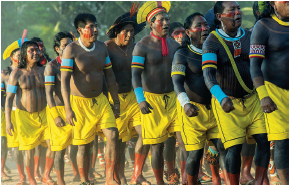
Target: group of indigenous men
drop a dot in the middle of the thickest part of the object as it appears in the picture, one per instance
(207, 81)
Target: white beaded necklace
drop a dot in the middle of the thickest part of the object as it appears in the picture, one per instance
(197, 50)
(85, 48)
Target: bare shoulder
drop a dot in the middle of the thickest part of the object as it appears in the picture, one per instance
(109, 43)
(50, 67)
(102, 47)
(16, 72)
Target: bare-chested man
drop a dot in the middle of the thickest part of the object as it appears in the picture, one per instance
(61, 133)
(87, 109)
(27, 83)
(153, 87)
(269, 58)
(120, 47)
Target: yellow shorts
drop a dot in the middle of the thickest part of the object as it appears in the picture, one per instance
(129, 114)
(196, 130)
(93, 115)
(31, 128)
(246, 120)
(61, 137)
(277, 122)
(163, 120)
(12, 141)
(3, 124)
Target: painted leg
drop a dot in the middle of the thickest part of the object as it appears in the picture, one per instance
(73, 156)
(59, 166)
(248, 152)
(282, 160)
(192, 166)
(157, 162)
(182, 156)
(29, 165)
(48, 165)
(18, 158)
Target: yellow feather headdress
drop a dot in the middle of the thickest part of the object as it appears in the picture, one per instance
(149, 6)
(15, 45)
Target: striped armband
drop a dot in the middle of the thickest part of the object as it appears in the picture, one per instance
(257, 51)
(218, 93)
(2, 87)
(49, 80)
(67, 65)
(183, 99)
(108, 63)
(54, 112)
(137, 62)
(139, 95)
(178, 69)
(11, 88)
(209, 60)
(262, 92)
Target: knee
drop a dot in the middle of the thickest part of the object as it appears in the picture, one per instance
(113, 135)
(3, 142)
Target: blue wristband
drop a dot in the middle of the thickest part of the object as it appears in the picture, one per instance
(218, 93)
(139, 95)
(11, 88)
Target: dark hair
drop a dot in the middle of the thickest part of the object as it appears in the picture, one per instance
(23, 54)
(59, 36)
(36, 39)
(268, 11)
(218, 8)
(173, 26)
(120, 27)
(12, 53)
(187, 25)
(82, 19)
(154, 18)
(255, 9)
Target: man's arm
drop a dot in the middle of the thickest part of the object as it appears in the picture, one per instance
(137, 67)
(66, 72)
(259, 41)
(209, 66)
(3, 93)
(178, 76)
(10, 92)
(50, 78)
(111, 85)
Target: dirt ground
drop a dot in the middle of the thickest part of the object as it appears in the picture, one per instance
(149, 175)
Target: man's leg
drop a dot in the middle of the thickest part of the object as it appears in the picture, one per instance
(3, 157)
(93, 155)
(158, 162)
(48, 165)
(73, 156)
(247, 153)
(42, 159)
(36, 163)
(121, 163)
(83, 156)
(141, 152)
(182, 156)
(192, 166)
(60, 166)
(101, 152)
(233, 163)
(169, 157)
(212, 158)
(262, 157)
(282, 160)
(111, 135)
(131, 150)
(18, 158)
(29, 165)
(118, 161)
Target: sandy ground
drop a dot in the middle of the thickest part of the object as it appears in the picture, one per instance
(149, 175)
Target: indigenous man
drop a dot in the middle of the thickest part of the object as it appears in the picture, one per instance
(44, 57)
(120, 47)
(177, 32)
(196, 118)
(12, 51)
(153, 87)
(226, 71)
(27, 83)
(61, 133)
(269, 56)
(87, 109)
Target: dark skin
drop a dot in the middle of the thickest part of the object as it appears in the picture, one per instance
(30, 83)
(121, 66)
(84, 81)
(275, 67)
(179, 35)
(193, 83)
(54, 98)
(156, 77)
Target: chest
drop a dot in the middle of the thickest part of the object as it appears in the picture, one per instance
(119, 61)
(278, 40)
(29, 82)
(194, 65)
(154, 57)
(87, 62)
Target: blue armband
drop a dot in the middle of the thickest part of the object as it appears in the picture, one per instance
(2, 87)
(11, 88)
(67, 65)
(139, 95)
(108, 63)
(49, 80)
(218, 93)
(137, 62)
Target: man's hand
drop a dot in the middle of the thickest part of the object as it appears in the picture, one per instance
(145, 107)
(70, 117)
(191, 110)
(227, 105)
(116, 110)
(9, 127)
(59, 122)
(268, 105)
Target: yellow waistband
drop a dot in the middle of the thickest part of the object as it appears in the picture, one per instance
(85, 98)
(155, 94)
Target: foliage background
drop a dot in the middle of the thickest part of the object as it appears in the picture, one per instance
(46, 18)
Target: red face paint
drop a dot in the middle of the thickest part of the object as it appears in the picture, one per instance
(283, 1)
(178, 33)
(122, 37)
(87, 32)
(14, 60)
(159, 26)
(34, 49)
(231, 14)
(202, 22)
